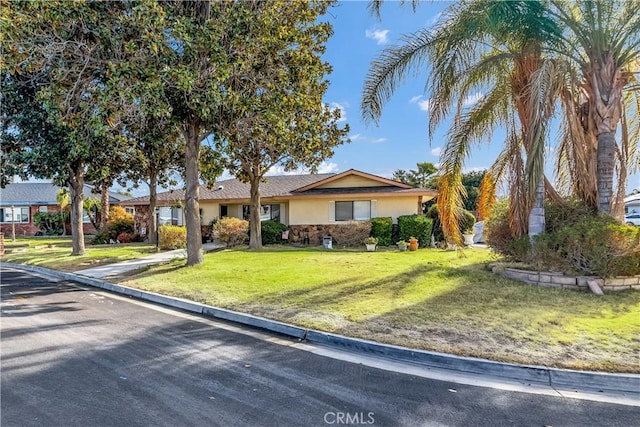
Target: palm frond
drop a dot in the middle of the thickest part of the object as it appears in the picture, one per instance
(389, 70)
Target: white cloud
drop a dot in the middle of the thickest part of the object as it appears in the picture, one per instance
(357, 137)
(378, 140)
(415, 99)
(435, 151)
(472, 99)
(328, 167)
(425, 105)
(342, 107)
(380, 36)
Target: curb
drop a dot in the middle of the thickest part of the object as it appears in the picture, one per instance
(554, 377)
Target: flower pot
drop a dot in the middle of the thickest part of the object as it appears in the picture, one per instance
(413, 244)
(370, 248)
(468, 239)
(402, 248)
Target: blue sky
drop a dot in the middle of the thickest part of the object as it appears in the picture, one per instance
(400, 140)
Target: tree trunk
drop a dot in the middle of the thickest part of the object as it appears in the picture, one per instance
(255, 235)
(104, 203)
(76, 196)
(536, 216)
(153, 195)
(606, 165)
(192, 195)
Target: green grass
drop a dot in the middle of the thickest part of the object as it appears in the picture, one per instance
(429, 299)
(54, 252)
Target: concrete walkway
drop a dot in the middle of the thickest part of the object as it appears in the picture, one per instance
(140, 263)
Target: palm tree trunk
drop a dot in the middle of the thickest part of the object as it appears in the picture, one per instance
(606, 165)
(536, 216)
(192, 195)
(255, 236)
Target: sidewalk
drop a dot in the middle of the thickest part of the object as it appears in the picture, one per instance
(139, 263)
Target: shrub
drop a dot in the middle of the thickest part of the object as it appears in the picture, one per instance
(231, 231)
(350, 233)
(597, 245)
(382, 229)
(50, 223)
(417, 226)
(125, 237)
(271, 232)
(559, 215)
(436, 228)
(467, 222)
(497, 233)
(172, 237)
(119, 222)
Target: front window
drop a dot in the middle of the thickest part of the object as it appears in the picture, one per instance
(14, 215)
(267, 212)
(358, 210)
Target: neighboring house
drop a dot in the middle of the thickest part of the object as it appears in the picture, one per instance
(311, 205)
(19, 202)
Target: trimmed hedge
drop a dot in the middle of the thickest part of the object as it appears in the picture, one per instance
(232, 231)
(417, 226)
(271, 232)
(381, 229)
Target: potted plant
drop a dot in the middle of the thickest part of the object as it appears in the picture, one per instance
(371, 243)
(467, 222)
(402, 245)
(413, 244)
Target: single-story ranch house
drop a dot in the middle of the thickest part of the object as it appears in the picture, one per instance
(20, 201)
(311, 205)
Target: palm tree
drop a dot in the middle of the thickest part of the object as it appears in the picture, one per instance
(479, 46)
(602, 41)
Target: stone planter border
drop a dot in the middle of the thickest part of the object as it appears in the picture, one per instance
(562, 281)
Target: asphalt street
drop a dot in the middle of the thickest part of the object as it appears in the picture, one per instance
(75, 356)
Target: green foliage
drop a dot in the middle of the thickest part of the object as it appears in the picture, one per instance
(417, 226)
(272, 232)
(119, 222)
(436, 229)
(231, 231)
(497, 233)
(471, 182)
(50, 223)
(172, 237)
(577, 241)
(370, 241)
(560, 215)
(467, 222)
(382, 229)
(424, 176)
(594, 245)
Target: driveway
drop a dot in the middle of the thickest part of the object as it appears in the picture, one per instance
(74, 356)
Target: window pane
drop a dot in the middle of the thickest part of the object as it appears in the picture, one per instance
(265, 212)
(275, 213)
(344, 211)
(24, 215)
(362, 210)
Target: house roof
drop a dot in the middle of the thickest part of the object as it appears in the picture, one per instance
(42, 193)
(288, 186)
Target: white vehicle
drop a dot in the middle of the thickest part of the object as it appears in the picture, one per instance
(632, 219)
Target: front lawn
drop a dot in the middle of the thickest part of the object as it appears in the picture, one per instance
(429, 299)
(54, 252)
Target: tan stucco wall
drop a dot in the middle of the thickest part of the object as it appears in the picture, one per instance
(353, 181)
(396, 206)
(316, 211)
(210, 210)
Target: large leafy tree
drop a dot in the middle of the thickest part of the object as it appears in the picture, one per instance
(63, 71)
(479, 47)
(274, 114)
